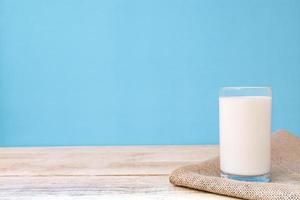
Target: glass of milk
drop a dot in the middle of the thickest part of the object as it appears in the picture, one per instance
(245, 133)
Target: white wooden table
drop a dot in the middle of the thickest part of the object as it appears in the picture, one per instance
(98, 172)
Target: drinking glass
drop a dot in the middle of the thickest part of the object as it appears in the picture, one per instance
(245, 133)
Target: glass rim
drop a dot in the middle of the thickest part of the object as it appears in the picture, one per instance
(245, 91)
(248, 87)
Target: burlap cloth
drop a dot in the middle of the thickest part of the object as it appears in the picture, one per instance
(285, 174)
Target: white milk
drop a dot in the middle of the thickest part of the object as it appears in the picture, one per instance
(245, 135)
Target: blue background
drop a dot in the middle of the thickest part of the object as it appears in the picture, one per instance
(115, 72)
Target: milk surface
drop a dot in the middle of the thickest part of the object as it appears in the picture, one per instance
(245, 134)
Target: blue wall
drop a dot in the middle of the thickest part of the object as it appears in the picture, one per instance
(117, 72)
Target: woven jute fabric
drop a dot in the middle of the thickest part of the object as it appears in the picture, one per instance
(285, 174)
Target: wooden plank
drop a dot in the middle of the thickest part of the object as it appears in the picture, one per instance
(96, 187)
(134, 160)
(135, 172)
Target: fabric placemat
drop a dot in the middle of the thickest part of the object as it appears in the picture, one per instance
(285, 174)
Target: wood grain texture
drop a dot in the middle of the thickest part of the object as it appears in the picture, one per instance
(99, 160)
(98, 172)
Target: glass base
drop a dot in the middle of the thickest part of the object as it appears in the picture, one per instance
(264, 178)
